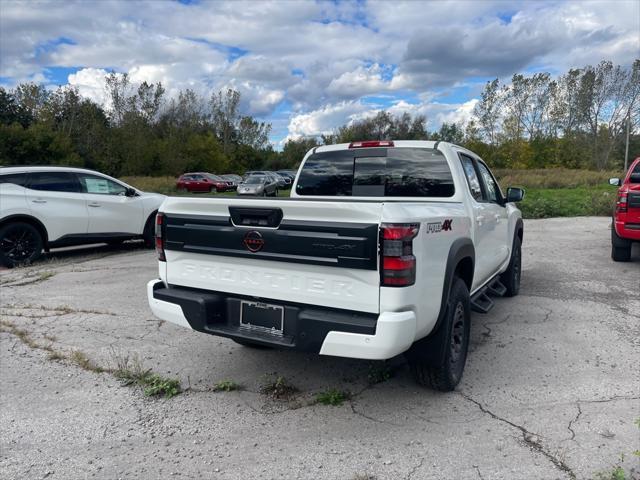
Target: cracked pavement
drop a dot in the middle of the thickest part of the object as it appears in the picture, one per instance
(550, 391)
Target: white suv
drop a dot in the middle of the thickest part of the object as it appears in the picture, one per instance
(47, 207)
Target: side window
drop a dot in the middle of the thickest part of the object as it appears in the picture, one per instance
(472, 177)
(490, 184)
(100, 185)
(54, 182)
(635, 175)
(15, 178)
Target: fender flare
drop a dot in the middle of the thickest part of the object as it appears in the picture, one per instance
(518, 228)
(432, 347)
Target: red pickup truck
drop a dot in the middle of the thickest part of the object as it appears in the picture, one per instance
(626, 216)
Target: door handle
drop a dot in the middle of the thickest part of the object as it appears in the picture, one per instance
(498, 218)
(480, 219)
(94, 205)
(39, 200)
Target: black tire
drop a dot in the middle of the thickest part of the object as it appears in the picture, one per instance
(446, 376)
(511, 277)
(20, 244)
(148, 234)
(620, 247)
(250, 344)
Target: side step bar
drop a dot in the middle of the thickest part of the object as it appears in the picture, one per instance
(481, 302)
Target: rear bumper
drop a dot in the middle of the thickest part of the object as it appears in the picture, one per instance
(326, 331)
(628, 230)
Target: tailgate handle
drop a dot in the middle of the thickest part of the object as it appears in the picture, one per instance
(255, 217)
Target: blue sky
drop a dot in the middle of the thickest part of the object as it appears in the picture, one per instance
(309, 67)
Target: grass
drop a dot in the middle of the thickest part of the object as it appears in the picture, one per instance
(278, 387)
(84, 362)
(553, 178)
(554, 192)
(130, 371)
(379, 372)
(569, 202)
(333, 397)
(226, 386)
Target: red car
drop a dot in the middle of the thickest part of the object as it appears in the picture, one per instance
(203, 182)
(626, 217)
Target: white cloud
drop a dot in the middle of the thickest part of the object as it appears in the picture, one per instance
(90, 83)
(321, 58)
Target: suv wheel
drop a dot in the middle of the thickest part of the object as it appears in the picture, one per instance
(20, 244)
(447, 375)
(148, 234)
(620, 247)
(511, 277)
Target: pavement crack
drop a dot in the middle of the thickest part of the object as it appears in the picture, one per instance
(415, 469)
(530, 438)
(373, 419)
(574, 420)
(478, 472)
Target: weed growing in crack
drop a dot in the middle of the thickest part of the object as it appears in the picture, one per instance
(278, 387)
(84, 362)
(56, 356)
(226, 386)
(363, 476)
(155, 385)
(131, 372)
(332, 397)
(378, 373)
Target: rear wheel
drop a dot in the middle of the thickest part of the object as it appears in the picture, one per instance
(511, 277)
(620, 247)
(20, 244)
(446, 375)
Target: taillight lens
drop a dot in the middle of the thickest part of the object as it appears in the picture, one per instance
(398, 264)
(160, 237)
(621, 203)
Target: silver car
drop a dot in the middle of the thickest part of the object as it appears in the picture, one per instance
(258, 186)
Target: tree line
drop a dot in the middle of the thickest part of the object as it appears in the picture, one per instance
(139, 132)
(576, 120)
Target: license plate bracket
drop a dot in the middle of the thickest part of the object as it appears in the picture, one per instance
(262, 317)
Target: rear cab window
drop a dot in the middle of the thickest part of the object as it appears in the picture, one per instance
(377, 172)
(634, 177)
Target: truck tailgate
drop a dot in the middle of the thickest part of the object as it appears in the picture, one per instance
(310, 252)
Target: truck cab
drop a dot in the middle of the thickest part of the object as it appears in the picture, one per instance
(625, 229)
(383, 248)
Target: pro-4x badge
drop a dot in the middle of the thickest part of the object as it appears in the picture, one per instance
(437, 227)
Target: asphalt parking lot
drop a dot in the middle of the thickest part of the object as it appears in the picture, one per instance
(551, 389)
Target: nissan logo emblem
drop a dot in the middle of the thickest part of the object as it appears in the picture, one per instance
(253, 241)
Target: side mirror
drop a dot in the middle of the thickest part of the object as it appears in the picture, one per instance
(615, 182)
(515, 194)
(130, 192)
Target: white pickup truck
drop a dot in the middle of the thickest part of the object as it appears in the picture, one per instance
(383, 248)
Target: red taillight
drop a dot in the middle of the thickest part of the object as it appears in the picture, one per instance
(371, 143)
(621, 203)
(160, 237)
(398, 265)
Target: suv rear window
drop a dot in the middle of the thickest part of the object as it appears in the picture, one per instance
(15, 178)
(54, 182)
(377, 172)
